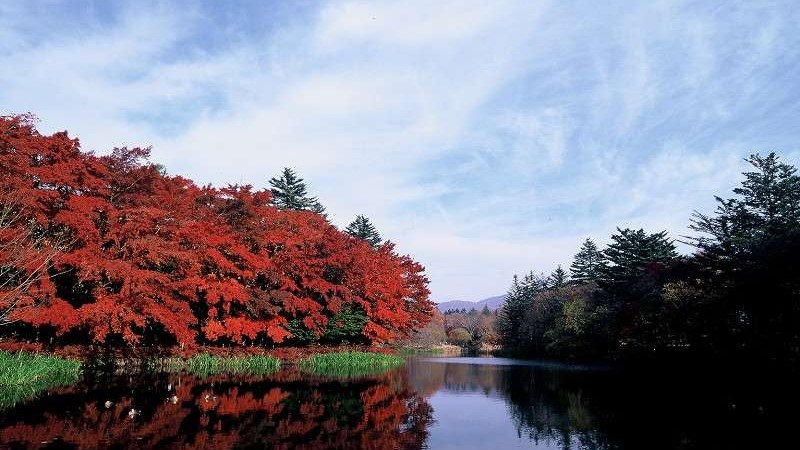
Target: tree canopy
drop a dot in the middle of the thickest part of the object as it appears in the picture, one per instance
(737, 296)
(588, 263)
(289, 192)
(156, 259)
(362, 228)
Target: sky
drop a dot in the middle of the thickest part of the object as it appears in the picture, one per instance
(483, 138)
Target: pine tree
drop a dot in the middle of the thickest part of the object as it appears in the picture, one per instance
(557, 279)
(362, 228)
(768, 205)
(749, 254)
(289, 192)
(588, 263)
(511, 316)
(631, 252)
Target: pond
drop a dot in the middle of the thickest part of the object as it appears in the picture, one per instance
(435, 403)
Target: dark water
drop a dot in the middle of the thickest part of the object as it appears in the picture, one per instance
(436, 403)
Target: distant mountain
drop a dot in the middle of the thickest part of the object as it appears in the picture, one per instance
(492, 302)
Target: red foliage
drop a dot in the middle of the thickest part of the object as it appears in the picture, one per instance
(284, 411)
(158, 260)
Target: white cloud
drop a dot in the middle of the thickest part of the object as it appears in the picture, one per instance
(485, 138)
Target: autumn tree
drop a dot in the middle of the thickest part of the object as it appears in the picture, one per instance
(26, 256)
(157, 261)
(362, 228)
(431, 334)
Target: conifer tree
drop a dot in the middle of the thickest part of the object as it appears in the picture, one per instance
(749, 254)
(557, 279)
(511, 317)
(289, 192)
(768, 205)
(588, 263)
(631, 252)
(362, 228)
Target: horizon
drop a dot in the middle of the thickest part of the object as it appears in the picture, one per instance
(485, 140)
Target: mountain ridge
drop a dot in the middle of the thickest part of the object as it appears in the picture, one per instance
(492, 303)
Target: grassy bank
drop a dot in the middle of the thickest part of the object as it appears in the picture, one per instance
(439, 349)
(205, 364)
(349, 363)
(23, 375)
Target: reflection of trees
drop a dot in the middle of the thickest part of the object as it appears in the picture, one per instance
(546, 405)
(576, 409)
(278, 412)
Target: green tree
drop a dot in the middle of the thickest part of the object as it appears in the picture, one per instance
(362, 228)
(632, 283)
(748, 255)
(588, 263)
(631, 253)
(557, 279)
(289, 192)
(346, 326)
(511, 316)
(768, 205)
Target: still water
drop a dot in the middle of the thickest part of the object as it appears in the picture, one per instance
(431, 403)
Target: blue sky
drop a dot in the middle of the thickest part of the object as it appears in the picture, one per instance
(484, 138)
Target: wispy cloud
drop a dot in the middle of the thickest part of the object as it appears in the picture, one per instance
(484, 138)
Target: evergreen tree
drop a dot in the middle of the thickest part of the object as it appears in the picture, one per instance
(557, 279)
(768, 205)
(289, 192)
(511, 313)
(631, 253)
(748, 252)
(511, 317)
(362, 228)
(588, 263)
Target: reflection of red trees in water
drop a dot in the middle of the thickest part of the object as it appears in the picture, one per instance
(280, 412)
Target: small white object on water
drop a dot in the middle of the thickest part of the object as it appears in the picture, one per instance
(133, 413)
(169, 387)
(174, 399)
(108, 404)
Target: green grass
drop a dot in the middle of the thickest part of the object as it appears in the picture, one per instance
(349, 364)
(421, 351)
(24, 375)
(205, 364)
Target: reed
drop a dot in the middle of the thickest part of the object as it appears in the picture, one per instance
(205, 364)
(349, 364)
(24, 375)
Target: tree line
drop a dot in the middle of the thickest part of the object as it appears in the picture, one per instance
(736, 296)
(112, 250)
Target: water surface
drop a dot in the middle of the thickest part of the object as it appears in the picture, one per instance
(433, 403)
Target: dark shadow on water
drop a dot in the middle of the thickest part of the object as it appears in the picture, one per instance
(459, 403)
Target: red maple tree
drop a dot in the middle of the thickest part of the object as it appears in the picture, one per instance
(157, 260)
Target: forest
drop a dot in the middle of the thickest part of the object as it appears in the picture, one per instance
(735, 297)
(112, 251)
